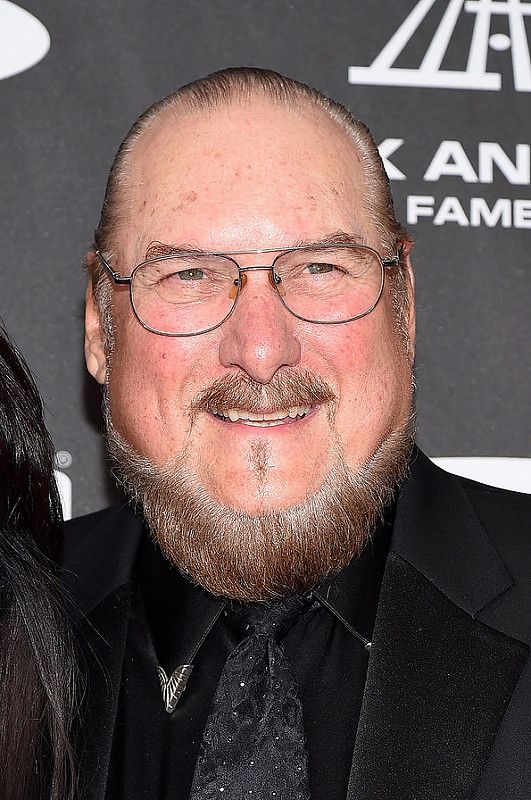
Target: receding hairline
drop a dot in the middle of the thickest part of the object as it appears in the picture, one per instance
(247, 87)
(240, 86)
(176, 110)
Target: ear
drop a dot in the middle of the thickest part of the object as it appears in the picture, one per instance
(95, 354)
(410, 321)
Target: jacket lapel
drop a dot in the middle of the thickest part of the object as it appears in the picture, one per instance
(102, 605)
(103, 635)
(438, 680)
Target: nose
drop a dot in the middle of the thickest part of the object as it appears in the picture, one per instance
(260, 336)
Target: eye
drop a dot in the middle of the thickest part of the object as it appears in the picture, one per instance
(193, 274)
(320, 268)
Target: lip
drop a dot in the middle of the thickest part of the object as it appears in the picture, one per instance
(286, 421)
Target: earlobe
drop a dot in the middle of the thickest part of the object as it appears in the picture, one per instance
(95, 354)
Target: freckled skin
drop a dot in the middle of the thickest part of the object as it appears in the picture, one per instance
(245, 177)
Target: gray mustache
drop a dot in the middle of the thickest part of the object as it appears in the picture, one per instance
(287, 388)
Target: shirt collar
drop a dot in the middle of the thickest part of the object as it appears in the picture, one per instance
(352, 595)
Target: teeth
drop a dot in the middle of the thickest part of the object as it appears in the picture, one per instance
(271, 415)
(267, 416)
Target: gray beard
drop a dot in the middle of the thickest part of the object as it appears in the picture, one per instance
(264, 557)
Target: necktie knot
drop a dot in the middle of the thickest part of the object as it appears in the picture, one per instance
(265, 619)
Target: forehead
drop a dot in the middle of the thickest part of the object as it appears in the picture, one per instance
(244, 176)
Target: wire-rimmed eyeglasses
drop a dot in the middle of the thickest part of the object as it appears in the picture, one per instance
(187, 293)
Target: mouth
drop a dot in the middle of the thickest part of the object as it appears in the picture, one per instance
(263, 419)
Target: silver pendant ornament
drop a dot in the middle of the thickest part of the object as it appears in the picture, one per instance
(174, 686)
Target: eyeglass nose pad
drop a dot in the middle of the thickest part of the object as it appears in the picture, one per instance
(237, 285)
(276, 282)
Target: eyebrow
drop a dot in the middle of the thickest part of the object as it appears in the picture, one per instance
(158, 249)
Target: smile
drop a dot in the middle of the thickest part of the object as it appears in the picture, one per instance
(263, 419)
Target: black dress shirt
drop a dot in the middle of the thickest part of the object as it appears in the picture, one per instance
(173, 623)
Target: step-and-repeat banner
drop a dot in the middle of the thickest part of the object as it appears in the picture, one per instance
(445, 86)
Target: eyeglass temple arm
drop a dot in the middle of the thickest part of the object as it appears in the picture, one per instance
(391, 262)
(116, 277)
(395, 260)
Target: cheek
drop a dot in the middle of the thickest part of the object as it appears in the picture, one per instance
(151, 384)
(374, 382)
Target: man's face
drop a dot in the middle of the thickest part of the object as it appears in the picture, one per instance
(245, 177)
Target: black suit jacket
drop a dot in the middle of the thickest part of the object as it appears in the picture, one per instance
(446, 713)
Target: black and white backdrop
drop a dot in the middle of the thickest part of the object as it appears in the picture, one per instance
(445, 86)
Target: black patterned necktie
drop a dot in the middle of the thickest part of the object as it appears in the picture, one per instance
(253, 743)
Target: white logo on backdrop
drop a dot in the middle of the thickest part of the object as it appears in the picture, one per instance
(475, 76)
(506, 473)
(24, 40)
(451, 160)
(64, 484)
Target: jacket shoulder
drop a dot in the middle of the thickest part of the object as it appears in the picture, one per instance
(90, 527)
(499, 508)
(506, 516)
(500, 511)
(99, 553)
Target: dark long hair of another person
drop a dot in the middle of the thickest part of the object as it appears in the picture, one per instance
(37, 667)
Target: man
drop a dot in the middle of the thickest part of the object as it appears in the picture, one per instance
(329, 615)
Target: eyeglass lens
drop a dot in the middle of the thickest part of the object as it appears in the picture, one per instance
(191, 293)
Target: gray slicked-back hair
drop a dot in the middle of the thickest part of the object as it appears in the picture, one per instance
(243, 84)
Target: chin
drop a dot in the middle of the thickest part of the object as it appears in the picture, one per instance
(276, 545)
